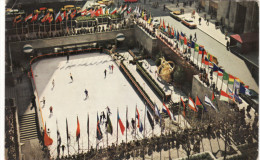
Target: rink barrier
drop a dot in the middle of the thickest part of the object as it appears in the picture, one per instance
(35, 59)
(137, 85)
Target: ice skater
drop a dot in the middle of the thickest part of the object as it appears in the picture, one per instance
(71, 77)
(105, 72)
(109, 67)
(68, 57)
(63, 148)
(86, 93)
(112, 67)
(51, 110)
(53, 83)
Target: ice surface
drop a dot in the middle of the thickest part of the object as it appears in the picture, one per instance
(68, 99)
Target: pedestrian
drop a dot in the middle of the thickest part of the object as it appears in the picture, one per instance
(133, 123)
(109, 68)
(68, 57)
(190, 37)
(53, 83)
(112, 67)
(86, 93)
(199, 20)
(195, 37)
(51, 109)
(164, 7)
(177, 4)
(207, 22)
(227, 45)
(71, 77)
(105, 72)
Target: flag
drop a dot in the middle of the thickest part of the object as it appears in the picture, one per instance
(224, 96)
(113, 11)
(199, 104)
(231, 79)
(166, 110)
(163, 25)
(213, 97)
(201, 49)
(78, 130)
(150, 119)
(121, 125)
(237, 99)
(205, 60)
(40, 17)
(139, 125)
(236, 86)
(68, 14)
(184, 107)
(18, 19)
(145, 17)
(192, 105)
(189, 44)
(119, 10)
(185, 40)
(45, 18)
(58, 17)
(47, 140)
(214, 67)
(124, 9)
(109, 125)
(192, 44)
(73, 14)
(149, 20)
(244, 90)
(208, 102)
(30, 16)
(196, 47)
(50, 19)
(129, 10)
(63, 15)
(157, 112)
(220, 72)
(225, 76)
(99, 133)
(34, 18)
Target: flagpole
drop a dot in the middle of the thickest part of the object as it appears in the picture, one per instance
(16, 28)
(22, 27)
(67, 138)
(144, 119)
(135, 121)
(88, 123)
(117, 130)
(216, 80)
(222, 82)
(179, 111)
(28, 27)
(198, 58)
(33, 26)
(126, 123)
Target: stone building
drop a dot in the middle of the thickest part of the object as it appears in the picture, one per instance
(237, 16)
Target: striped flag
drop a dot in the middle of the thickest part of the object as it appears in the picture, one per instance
(78, 130)
(99, 133)
(166, 110)
(30, 16)
(121, 125)
(208, 102)
(192, 105)
(139, 125)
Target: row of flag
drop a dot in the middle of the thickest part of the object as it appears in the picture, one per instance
(71, 14)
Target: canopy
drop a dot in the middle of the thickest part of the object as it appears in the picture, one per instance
(245, 38)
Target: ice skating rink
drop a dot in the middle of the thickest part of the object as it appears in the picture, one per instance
(68, 99)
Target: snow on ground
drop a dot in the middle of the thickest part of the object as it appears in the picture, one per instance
(68, 99)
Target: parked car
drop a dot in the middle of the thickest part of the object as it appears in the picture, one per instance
(176, 15)
(189, 23)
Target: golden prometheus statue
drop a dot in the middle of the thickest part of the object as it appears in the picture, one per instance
(165, 70)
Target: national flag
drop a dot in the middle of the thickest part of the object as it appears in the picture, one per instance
(28, 17)
(63, 15)
(42, 8)
(98, 12)
(215, 68)
(40, 17)
(220, 72)
(166, 110)
(236, 86)
(123, 9)
(157, 113)
(213, 99)
(145, 18)
(73, 14)
(121, 125)
(205, 60)
(150, 19)
(99, 133)
(225, 76)
(129, 10)
(113, 11)
(192, 105)
(78, 13)
(196, 47)
(231, 79)
(50, 19)
(108, 11)
(109, 125)
(34, 18)
(45, 18)
(185, 40)
(119, 10)
(184, 107)
(199, 104)
(201, 49)
(208, 102)
(192, 44)
(150, 119)
(172, 32)
(139, 125)
(189, 44)
(224, 96)
(58, 17)
(90, 12)
(47, 140)
(78, 130)
(68, 14)
(244, 90)
(178, 36)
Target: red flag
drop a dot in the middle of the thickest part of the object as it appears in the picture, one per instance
(47, 140)
(163, 25)
(122, 127)
(45, 18)
(78, 129)
(34, 18)
(185, 40)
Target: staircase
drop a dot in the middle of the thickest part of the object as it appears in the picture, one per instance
(28, 127)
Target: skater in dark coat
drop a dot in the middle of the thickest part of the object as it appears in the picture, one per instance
(86, 93)
(105, 72)
(71, 77)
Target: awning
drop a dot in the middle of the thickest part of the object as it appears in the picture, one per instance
(130, 0)
(246, 37)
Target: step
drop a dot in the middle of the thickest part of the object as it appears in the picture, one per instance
(26, 134)
(28, 129)
(27, 115)
(29, 138)
(27, 122)
(26, 125)
(27, 118)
